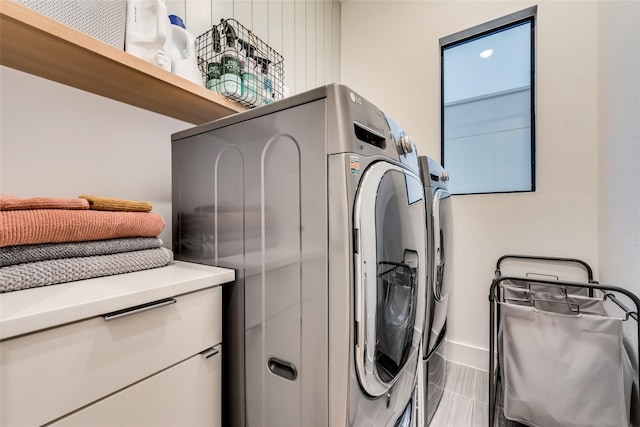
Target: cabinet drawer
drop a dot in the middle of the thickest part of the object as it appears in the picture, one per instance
(48, 374)
(187, 394)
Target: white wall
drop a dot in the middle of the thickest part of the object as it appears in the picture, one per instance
(619, 147)
(619, 144)
(305, 32)
(58, 141)
(390, 54)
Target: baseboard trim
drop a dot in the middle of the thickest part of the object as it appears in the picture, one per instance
(469, 355)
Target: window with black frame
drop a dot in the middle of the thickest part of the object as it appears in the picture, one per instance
(488, 126)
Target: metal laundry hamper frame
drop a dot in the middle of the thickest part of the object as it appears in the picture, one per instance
(495, 297)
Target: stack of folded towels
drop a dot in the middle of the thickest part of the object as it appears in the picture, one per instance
(46, 241)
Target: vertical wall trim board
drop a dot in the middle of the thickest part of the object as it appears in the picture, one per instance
(310, 43)
(328, 42)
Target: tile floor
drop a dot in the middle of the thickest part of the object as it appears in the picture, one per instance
(465, 402)
(465, 399)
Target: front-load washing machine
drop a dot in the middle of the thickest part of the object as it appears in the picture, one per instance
(439, 283)
(317, 203)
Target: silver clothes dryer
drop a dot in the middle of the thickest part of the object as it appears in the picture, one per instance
(317, 203)
(439, 246)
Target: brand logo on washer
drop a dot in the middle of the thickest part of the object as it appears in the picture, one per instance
(355, 98)
(354, 164)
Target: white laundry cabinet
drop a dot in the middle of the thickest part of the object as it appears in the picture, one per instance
(137, 349)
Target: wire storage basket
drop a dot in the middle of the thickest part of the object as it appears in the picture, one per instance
(239, 65)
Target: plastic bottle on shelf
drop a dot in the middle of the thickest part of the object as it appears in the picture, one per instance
(265, 84)
(249, 74)
(250, 83)
(213, 76)
(184, 59)
(148, 32)
(230, 80)
(213, 66)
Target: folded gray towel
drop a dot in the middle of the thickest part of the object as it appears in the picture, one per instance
(51, 272)
(12, 255)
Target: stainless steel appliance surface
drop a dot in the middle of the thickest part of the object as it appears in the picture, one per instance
(317, 203)
(439, 283)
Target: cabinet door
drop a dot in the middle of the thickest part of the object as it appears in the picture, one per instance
(49, 374)
(187, 394)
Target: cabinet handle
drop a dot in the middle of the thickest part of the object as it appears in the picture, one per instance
(138, 309)
(210, 352)
(282, 369)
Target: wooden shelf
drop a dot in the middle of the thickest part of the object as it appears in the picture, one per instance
(38, 45)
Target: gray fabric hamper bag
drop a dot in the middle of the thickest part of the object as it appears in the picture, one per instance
(564, 370)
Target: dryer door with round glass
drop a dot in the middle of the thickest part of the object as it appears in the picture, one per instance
(441, 214)
(442, 280)
(389, 222)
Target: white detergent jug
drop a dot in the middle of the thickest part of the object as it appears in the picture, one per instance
(148, 32)
(184, 60)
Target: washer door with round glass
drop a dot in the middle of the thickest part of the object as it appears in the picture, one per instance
(389, 222)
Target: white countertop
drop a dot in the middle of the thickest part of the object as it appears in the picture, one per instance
(33, 309)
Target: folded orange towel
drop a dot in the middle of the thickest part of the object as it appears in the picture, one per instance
(110, 204)
(11, 203)
(26, 227)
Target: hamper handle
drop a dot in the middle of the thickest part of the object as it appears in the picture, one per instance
(543, 258)
(628, 313)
